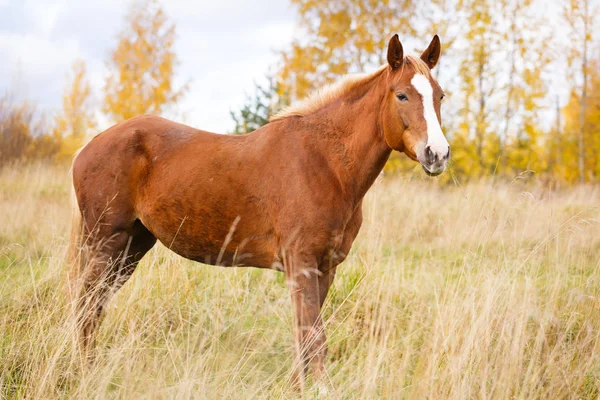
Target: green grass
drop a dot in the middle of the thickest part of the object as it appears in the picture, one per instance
(481, 291)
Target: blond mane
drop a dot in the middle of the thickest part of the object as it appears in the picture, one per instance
(417, 65)
(334, 91)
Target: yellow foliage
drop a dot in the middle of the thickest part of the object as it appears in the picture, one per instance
(142, 66)
(580, 16)
(572, 128)
(77, 117)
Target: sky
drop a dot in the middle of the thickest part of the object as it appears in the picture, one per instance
(223, 46)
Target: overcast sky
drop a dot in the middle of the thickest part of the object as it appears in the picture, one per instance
(223, 46)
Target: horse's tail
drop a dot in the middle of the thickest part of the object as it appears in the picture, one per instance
(75, 256)
(76, 234)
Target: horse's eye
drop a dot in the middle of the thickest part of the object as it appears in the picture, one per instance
(402, 97)
(442, 97)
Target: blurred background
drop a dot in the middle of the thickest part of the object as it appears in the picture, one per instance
(522, 76)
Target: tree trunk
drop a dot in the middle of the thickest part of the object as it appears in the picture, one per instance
(511, 84)
(583, 105)
(480, 117)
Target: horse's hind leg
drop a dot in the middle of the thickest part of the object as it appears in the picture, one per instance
(110, 261)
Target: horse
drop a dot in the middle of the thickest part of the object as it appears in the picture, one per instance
(287, 196)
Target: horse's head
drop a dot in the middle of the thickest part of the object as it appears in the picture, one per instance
(411, 110)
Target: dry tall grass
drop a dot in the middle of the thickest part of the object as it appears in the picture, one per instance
(482, 291)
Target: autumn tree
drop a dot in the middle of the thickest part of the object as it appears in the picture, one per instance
(572, 128)
(76, 120)
(479, 79)
(142, 65)
(524, 89)
(502, 89)
(580, 17)
(525, 61)
(23, 134)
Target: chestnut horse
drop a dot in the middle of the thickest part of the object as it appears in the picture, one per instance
(286, 197)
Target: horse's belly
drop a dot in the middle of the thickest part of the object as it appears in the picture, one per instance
(225, 255)
(204, 214)
(207, 242)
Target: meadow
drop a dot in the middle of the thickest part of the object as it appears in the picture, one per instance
(486, 290)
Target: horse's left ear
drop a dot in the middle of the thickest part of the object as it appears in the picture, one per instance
(432, 54)
(395, 55)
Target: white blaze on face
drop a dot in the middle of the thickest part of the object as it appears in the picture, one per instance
(435, 137)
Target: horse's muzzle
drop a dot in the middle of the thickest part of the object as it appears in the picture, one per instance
(434, 161)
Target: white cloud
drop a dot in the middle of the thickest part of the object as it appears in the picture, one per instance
(44, 14)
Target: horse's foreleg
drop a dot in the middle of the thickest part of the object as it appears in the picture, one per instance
(325, 281)
(303, 282)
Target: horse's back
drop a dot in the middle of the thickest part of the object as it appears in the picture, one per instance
(130, 149)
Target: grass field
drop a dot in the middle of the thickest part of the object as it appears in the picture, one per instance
(487, 291)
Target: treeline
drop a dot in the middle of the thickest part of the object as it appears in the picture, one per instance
(23, 132)
(522, 77)
(140, 81)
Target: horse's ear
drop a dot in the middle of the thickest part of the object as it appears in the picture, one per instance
(395, 55)
(432, 54)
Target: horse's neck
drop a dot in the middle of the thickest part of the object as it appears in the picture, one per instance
(354, 142)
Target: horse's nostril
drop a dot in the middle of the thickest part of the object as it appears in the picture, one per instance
(430, 155)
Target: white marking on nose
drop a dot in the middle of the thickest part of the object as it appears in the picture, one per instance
(435, 137)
